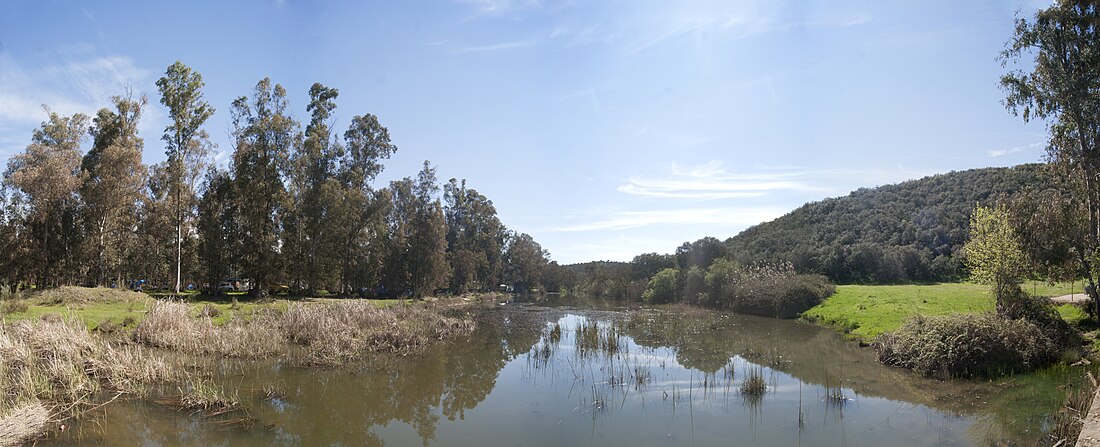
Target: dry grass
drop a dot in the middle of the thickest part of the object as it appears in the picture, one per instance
(59, 366)
(339, 332)
(169, 324)
(22, 424)
(85, 295)
(205, 398)
(330, 333)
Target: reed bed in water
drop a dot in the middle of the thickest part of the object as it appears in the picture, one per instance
(54, 369)
(328, 334)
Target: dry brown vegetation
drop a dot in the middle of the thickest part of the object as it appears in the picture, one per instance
(85, 295)
(58, 366)
(330, 333)
(169, 324)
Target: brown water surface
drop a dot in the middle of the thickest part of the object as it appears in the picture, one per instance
(555, 376)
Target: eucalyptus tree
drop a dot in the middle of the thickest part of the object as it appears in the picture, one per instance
(219, 226)
(45, 179)
(318, 211)
(525, 261)
(187, 145)
(1062, 87)
(113, 179)
(264, 137)
(366, 144)
(475, 237)
(416, 263)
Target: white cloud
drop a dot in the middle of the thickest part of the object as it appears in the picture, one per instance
(622, 220)
(1002, 152)
(494, 47)
(68, 80)
(712, 181)
(82, 84)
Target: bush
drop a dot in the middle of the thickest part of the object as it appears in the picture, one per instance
(982, 345)
(662, 287)
(785, 296)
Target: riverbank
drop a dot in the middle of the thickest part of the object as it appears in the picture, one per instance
(69, 350)
(864, 312)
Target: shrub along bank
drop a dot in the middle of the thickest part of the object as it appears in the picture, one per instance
(765, 290)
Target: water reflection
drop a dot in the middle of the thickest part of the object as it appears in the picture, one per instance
(537, 376)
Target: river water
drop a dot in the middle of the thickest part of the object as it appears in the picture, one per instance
(535, 375)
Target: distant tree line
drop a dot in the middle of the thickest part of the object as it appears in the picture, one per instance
(295, 207)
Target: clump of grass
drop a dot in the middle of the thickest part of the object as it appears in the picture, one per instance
(273, 391)
(835, 397)
(336, 333)
(209, 311)
(329, 334)
(13, 306)
(555, 333)
(205, 398)
(592, 338)
(982, 345)
(84, 295)
(23, 423)
(754, 386)
(168, 324)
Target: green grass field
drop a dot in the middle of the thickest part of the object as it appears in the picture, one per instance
(122, 309)
(864, 312)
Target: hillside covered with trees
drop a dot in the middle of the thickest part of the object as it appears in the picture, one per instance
(910, 231)
(907, 232)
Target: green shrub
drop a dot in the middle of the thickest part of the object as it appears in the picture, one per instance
(981, 345)
(662, 287)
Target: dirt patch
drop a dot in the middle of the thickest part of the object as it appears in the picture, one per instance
(1071, 298)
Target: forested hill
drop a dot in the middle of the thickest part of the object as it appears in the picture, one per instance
(909, 231)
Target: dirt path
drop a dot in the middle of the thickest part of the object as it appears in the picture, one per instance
(1073, 298)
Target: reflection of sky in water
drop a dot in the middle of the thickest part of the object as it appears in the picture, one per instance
(501, 387)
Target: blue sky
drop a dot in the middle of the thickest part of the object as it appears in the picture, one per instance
(603, 129)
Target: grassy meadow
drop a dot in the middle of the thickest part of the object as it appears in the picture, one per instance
(864, 312)
(104, 309)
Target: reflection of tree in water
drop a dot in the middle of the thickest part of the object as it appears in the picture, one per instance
(1012, 408)
(450, 377)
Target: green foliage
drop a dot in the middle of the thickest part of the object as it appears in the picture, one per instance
(186, 146)
(475, 238)
(1025, 333)
(662, 287)
(265, 134)
(526, 261)
(908, 232)
(993, 252)
(1063, 43)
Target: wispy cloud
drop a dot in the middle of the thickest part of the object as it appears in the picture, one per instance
(622, 220)
(677, 29)
(494, 47)
(712, 181)
(1012, 150)
(80, 84)
(69, 80)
